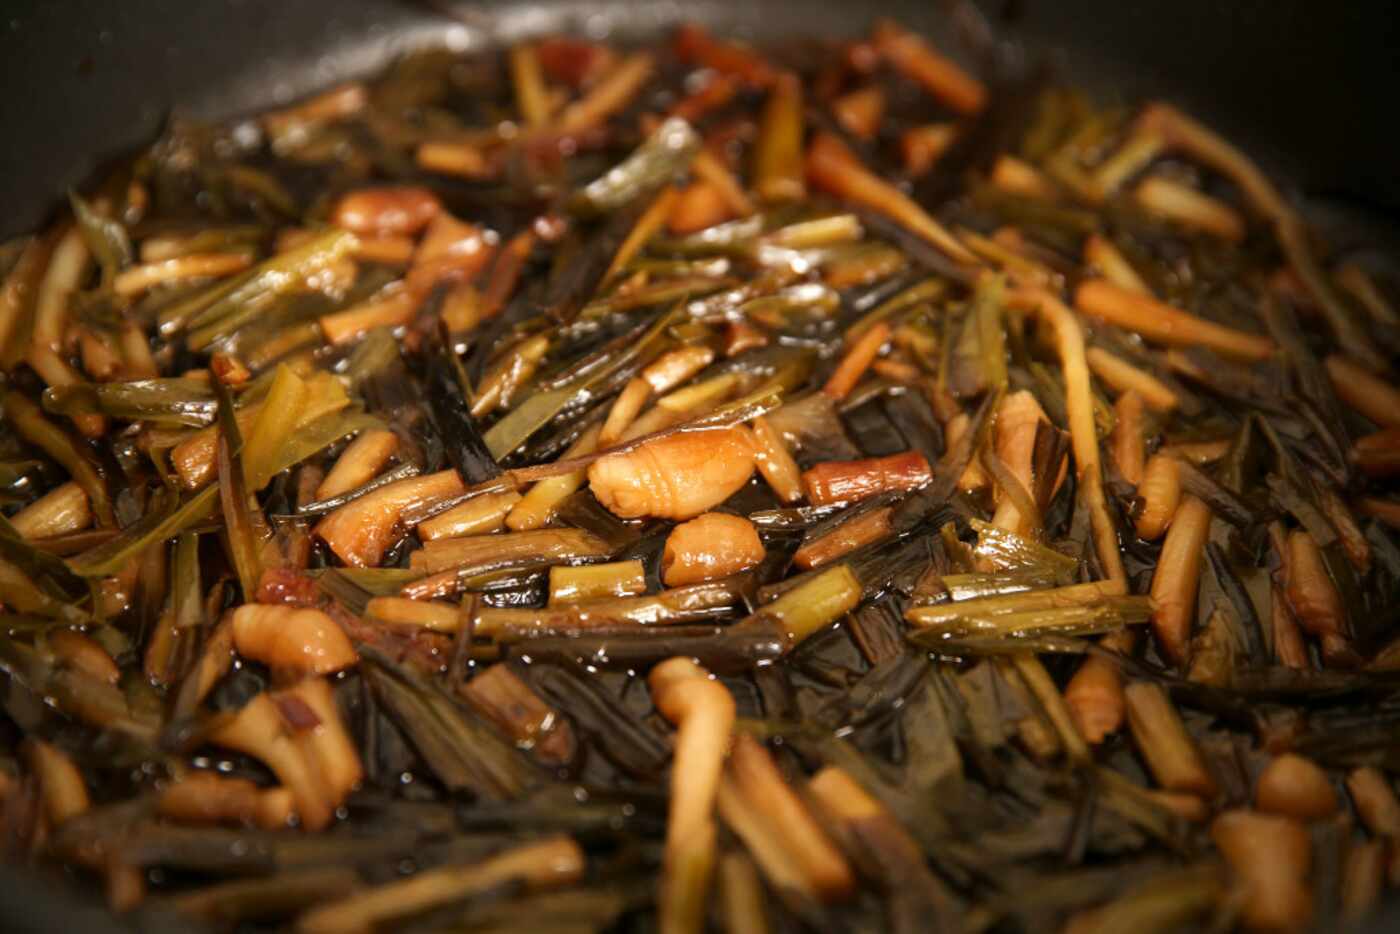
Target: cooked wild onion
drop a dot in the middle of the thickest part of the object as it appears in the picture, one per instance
(695, 485)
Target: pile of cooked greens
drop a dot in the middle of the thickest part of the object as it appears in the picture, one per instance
(576, 487)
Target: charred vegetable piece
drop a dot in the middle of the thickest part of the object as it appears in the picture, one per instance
(466, 449)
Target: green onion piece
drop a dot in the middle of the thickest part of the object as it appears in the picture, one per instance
(105, 238)
(218, 311)
(73, 455)
(187, 590)
(532, 414)
(1008, 551)
(665, 152)
(157, 525)
(927, 290)
(175, 401)
(987, 308)
(821, 600)
(239, 508)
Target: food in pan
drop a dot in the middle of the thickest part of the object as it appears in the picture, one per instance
(586, 487)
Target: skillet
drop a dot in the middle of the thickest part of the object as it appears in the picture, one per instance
(1306, 87)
